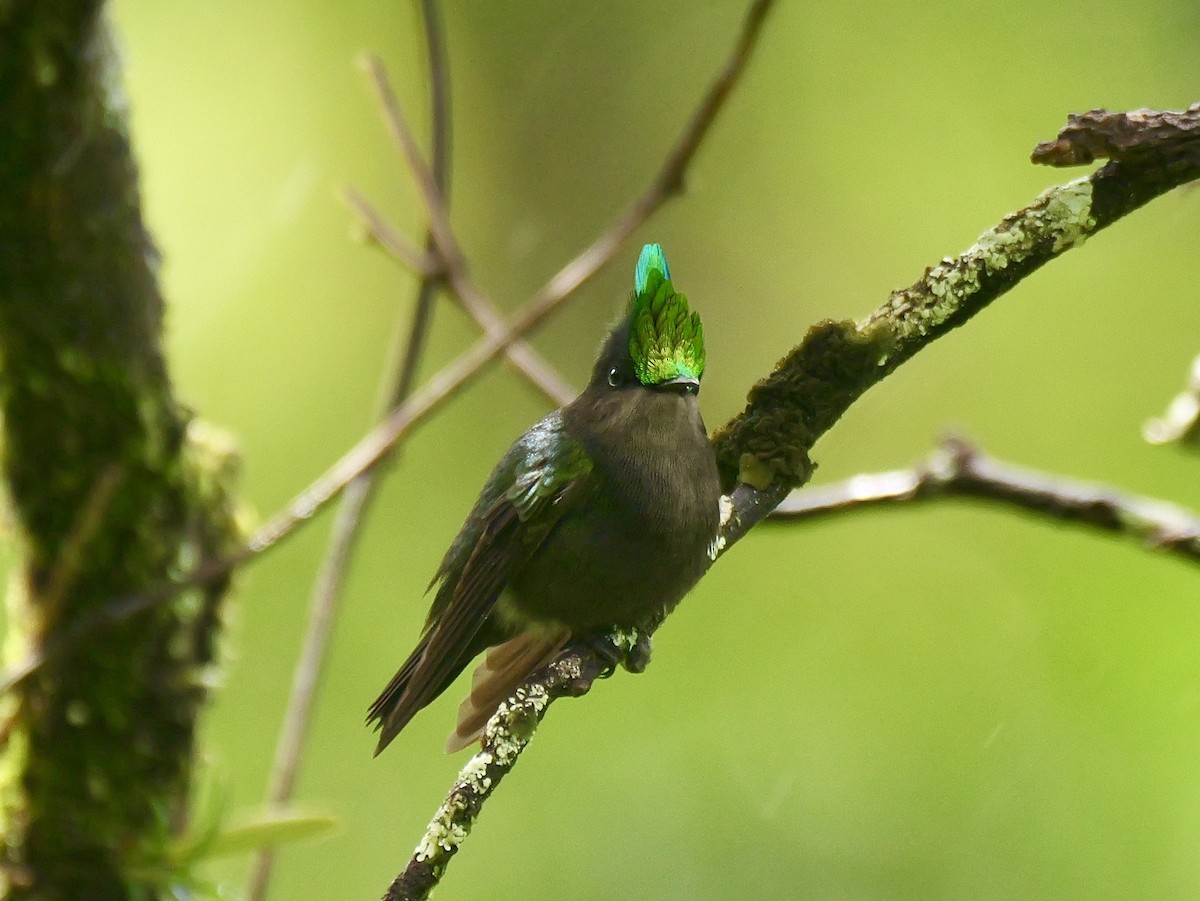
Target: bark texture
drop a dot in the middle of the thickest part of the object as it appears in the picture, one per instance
(112, 489)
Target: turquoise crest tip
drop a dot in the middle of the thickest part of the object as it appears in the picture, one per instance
(651, 257)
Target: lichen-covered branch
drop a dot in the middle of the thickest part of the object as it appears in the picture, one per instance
(111, 489)
(765, 449)
(507, 734)
(764, 452)
(957, 469)
(1101, 135)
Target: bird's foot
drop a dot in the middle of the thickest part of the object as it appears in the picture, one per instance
(637, 658)
(629, 648)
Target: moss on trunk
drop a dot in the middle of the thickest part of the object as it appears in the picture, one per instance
(110, 494)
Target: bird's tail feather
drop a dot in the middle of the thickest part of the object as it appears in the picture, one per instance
(497, 676)
(391, 711)
(403, 698)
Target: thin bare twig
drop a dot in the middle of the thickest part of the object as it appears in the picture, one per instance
(521, 355)
(379, 231)
(448, 248)
(670, 179)
(454, 260)
(764, 451)
(450, 380)
(958, 469)
(327, 590)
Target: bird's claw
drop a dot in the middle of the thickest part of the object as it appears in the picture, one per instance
(637, 658)
(629, 648)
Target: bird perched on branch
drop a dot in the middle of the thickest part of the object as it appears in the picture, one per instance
(599, 517)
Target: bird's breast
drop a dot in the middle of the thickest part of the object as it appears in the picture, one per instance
(638, 538)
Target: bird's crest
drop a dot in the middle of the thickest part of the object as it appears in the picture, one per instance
(665, 340)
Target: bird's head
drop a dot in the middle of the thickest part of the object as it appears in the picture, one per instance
(659, 344)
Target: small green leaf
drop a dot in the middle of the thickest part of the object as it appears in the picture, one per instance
(269, 831)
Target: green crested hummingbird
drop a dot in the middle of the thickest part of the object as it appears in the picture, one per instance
(601, 516)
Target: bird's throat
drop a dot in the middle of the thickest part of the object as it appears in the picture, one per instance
(650, 450)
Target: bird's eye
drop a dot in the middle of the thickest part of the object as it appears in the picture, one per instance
(614, 379)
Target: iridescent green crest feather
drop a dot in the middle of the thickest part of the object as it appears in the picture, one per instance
(665, 341)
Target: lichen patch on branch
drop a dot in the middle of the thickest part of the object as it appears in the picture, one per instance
(1057, 220)
(788, 410)
(452, 823)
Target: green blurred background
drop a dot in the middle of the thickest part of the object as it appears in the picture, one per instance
(956, 702)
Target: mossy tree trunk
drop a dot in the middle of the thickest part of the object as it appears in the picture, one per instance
(110, 492)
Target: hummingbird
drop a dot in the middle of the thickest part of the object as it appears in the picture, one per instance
(600, 516)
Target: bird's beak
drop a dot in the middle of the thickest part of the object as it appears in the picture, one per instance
(681, 385)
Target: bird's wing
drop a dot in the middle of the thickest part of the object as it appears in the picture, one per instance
(545, 483)
(540, 478)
